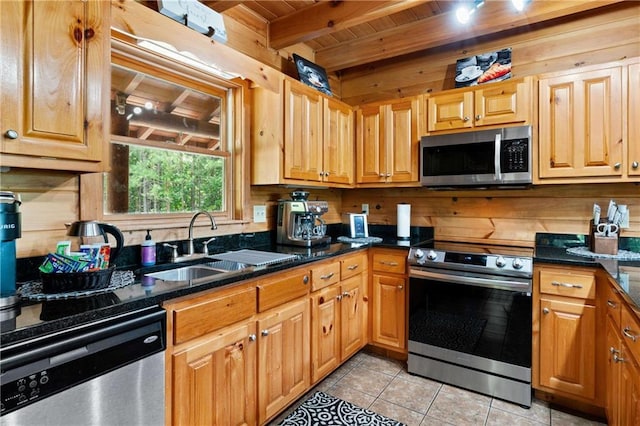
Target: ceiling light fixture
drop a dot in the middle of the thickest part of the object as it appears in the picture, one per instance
(465, 10)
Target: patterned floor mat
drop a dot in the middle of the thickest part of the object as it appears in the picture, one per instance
(326, 410)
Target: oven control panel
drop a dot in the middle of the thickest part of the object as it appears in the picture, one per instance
(478, 262)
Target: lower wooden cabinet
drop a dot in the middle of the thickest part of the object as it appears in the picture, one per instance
(337, 329)
(388, 298)
(565, 348)
(283, 357)
(214, 379)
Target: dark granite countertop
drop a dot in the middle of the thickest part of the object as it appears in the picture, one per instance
(552, 248)
(32, 319)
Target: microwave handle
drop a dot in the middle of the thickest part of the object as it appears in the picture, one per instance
(496, 159)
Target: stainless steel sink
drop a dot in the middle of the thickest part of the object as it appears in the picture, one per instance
(187, 273)
(199, 271)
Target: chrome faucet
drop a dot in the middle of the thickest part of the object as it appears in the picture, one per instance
(193, 219)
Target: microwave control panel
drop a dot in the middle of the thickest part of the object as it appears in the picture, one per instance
(514, 156)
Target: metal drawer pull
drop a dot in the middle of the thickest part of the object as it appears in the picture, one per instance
(327, 277)
(389, 263)
(545, 311)
(613, 350)
(265, 333)
(557, 284)
(626, 332)
(612, 304)
(616, 358)
(352, 267)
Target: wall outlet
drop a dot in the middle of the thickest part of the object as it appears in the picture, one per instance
(365, 208)
(259, 214)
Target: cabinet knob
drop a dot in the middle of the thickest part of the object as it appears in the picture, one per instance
(617, 358)
(265, 333)
(617, 166)
(400, 287)
(339, 297)
(478, 117)
(465, 119)
(12, 134)
(252, 337)
(346, 294)
(382, 175)
(634, 165)
(305, 279)
(545, 311)
(388, 174)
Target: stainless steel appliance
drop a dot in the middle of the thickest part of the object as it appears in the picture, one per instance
(300, 221)
(10, 230)
(470, 317)
(104, 373)
(499, 157)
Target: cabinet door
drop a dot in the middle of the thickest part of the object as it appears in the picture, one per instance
(352, 316)
(612, 373)
(283, 357)
(567, 347)
(302, 133)
(370, 164)
(388, 318)
(581, 124)
(214, 380)
(629, 391)
(401, 141)
(338, 143)
(52, 81)
(505, 103)
(450, 111)
(633, 139)
(325, 332)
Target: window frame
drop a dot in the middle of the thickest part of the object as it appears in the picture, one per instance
(127, 54)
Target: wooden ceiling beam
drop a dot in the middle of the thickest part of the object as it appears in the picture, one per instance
(326, 17)
(221, 5)
(438, 30)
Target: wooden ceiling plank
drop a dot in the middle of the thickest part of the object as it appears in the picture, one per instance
(221, 5)
(326, 17)
(442, 29)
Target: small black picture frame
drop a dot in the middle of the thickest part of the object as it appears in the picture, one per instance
(312, 75)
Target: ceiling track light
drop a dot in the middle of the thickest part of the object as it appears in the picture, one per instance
(519, 5)
(464, 11)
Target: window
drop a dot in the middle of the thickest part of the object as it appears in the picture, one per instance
(172, 140)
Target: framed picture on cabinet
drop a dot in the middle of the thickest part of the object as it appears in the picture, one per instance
(312, 75)
(484, 68)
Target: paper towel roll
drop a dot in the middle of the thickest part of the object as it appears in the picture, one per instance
(404, 220)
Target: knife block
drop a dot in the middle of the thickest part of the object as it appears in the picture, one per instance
(600, 244)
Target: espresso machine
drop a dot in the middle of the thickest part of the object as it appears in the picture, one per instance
(300, 222)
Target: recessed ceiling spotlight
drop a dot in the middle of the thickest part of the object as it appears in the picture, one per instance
(137, 110)
(465, 10)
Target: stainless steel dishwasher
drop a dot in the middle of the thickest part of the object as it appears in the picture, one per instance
(108, 372)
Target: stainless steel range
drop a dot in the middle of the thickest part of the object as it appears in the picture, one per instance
(470, 317)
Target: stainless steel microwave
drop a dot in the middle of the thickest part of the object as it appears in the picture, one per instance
(498, 157)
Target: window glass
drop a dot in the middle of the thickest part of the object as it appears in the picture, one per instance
(169, 150)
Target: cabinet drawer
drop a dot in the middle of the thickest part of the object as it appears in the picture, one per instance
(389, 262)
(353, 265)
(204, 315)
(282, 288)
(613, 303)
(325, 275)
(570, 284)
(630, 329)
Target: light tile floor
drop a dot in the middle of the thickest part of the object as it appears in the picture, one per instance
(384, 386)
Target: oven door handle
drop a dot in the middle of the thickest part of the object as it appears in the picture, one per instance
(474, 280)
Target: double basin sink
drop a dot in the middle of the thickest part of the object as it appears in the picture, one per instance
(199, 271)
(224, 263)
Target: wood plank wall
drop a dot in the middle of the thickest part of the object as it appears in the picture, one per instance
(510, 217)
(607, 35)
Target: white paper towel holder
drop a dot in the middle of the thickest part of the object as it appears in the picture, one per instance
(404, 221)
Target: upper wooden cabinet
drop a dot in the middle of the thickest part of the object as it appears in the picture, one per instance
(633, 160)
(301, 137)
(492, 104)
(54, 83)
(582, 122)
(387, 142)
